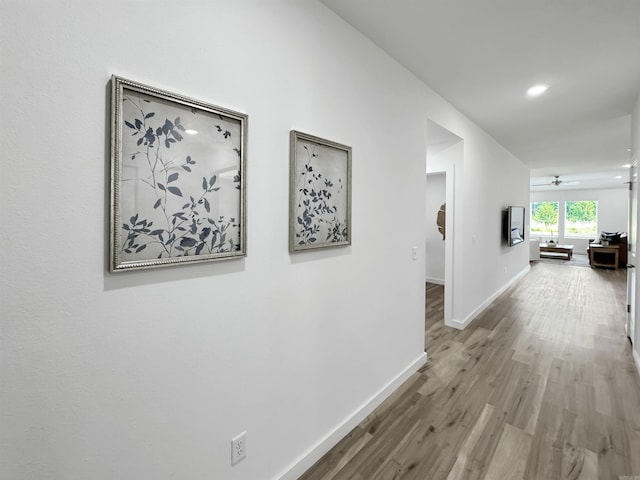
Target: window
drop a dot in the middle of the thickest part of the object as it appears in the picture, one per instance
(544, 218)
(581, 218)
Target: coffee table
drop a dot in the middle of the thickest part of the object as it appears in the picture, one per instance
(554, 250)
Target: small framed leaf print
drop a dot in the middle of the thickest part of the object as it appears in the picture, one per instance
(177, 179)
(319, 193)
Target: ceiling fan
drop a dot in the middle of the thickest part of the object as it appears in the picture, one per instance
(556, 182)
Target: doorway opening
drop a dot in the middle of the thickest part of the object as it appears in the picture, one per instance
(445, 153)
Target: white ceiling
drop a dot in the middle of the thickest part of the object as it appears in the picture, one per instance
(482, 56)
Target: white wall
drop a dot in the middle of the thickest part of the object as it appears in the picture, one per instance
(489, 193)
(436, 196)
(613, 208)
(149, 374)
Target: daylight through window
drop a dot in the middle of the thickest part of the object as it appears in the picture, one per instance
(581, 218)
(544, 218)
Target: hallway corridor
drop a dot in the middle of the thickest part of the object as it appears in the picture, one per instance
(540, 386)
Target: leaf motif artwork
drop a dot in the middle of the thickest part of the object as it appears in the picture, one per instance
(177, 179)
(320, 193)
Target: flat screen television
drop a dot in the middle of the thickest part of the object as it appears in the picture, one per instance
(514, 229)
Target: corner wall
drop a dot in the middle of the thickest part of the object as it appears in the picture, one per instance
(149, 374)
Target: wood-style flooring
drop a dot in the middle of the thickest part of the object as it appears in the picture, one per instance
(540, 386)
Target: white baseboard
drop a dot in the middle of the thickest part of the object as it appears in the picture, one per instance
(315, 453)
(461, 324)
(437, 281)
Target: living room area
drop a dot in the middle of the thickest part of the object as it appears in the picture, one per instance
(579, 227)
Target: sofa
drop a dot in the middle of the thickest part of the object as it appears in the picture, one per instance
(612, 238)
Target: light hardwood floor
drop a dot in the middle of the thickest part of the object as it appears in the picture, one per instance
(540, 386)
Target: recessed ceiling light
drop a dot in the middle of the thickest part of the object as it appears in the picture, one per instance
(618, 176)
(628, 149)
(626, 165)
(191, 132)
(537, 90)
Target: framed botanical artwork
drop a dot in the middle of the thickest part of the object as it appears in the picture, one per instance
(319, 193)
(177, 179)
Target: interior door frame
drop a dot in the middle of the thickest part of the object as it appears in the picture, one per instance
(632, 251)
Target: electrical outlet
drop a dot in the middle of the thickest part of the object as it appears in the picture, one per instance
(238, 448)
(414, 253)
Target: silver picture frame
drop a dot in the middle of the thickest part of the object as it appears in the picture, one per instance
(319, 193)
(178, 179)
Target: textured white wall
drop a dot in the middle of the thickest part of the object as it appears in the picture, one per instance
(149, 374)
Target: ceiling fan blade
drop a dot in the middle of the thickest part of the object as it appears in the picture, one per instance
(556, 183)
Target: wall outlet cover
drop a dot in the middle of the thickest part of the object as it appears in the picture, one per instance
(238, 448)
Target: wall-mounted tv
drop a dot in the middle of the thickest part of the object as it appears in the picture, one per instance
(514, 228)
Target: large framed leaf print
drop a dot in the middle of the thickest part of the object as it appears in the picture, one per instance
(177, 179)
(320, 193)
